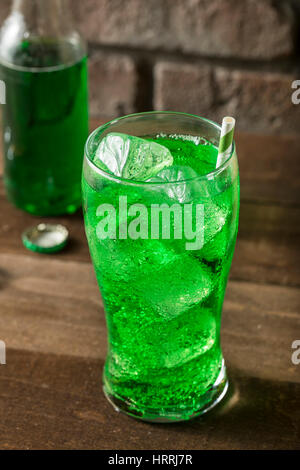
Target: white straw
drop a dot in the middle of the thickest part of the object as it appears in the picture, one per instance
(226, 140)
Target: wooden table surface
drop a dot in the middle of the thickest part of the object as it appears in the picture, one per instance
(52, 320)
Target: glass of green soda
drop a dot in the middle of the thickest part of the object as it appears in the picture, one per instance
(161, 222)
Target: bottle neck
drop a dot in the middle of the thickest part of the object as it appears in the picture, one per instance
(37, 29)
(44, 17)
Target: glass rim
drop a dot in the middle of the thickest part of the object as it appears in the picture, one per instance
(129, 182)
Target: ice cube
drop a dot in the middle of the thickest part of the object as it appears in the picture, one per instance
(215, 249)
(163, 322)
(177, 286)
(214, 220)
(130, 259)
(131, 157)
(177, 183)
(145, 341)
(215, 234)
(190, 335)
(184, 187)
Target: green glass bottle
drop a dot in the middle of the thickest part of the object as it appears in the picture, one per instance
(43, 63)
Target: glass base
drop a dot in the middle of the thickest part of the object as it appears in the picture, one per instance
(207, 401)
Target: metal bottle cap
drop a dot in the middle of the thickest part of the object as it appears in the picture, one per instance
(45, 238)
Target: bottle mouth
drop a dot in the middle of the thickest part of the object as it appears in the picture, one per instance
(68, 54)
(95, 138)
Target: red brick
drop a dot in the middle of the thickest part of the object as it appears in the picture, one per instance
(113, 82)
(183, 87)
(260, 101)
(224, 28)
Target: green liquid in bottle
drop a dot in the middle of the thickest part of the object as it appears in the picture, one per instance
(45, 126)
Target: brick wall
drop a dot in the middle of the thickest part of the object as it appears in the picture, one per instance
(208, 57)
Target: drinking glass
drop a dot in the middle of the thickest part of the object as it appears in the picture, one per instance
(162, 293)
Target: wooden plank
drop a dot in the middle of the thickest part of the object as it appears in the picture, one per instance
(15, 221)
(267, 260)
(51, 306)
(267, 248)
(260, 323)
(55, 307)
(269, 168)
(56, 402)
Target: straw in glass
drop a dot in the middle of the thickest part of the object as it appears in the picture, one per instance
(226, 140)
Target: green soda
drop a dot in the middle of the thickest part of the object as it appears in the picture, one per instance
(163, 302)
(45, 118)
